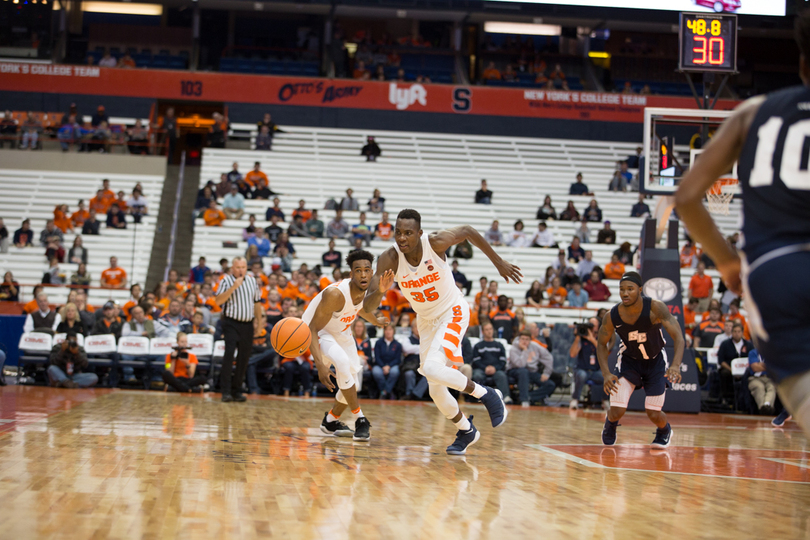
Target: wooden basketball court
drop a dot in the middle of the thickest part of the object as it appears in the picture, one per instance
(115, 464)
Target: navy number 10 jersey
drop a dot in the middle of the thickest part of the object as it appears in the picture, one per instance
(773, 170)
(641, 340)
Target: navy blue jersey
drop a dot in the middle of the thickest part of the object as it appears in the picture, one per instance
(641, 340)
(773, 169)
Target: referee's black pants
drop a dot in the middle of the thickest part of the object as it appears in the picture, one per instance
(238, 335)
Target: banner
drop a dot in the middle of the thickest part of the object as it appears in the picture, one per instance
(337, 93)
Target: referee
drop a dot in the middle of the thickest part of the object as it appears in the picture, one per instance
(241, 304)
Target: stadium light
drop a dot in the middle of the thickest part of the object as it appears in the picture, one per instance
(524, 29)
(120, 8)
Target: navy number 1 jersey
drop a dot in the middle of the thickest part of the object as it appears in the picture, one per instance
(773, 170)
(641, 340)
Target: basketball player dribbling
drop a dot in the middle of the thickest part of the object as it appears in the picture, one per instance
(330, 316)
(417, 262)
(768, 134)
(642, 359)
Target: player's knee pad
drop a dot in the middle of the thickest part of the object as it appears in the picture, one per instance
(622, 396)
(444, 401)
(654, 403)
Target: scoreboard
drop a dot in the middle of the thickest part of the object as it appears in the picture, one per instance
(708, 42)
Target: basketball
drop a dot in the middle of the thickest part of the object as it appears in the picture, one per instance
(290, 337)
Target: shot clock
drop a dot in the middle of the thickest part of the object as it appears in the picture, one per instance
(708, 42)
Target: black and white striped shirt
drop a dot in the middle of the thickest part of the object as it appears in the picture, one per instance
(240, 305)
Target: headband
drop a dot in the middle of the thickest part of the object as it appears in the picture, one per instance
(632, 277)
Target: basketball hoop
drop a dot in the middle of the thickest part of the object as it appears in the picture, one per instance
(720, 194)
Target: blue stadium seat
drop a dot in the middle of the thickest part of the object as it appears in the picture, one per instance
(244, 66)
(227, 64)
(261, 66)
(160, 61)
(277, 68)
(177, 62)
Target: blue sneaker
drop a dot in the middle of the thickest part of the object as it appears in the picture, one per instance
(609, 432)
(463, 440)
(780, 420)
(663, 436)
(493, 401)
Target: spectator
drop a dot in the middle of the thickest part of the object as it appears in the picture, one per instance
(489, 361)
(54, 250)
(332, 258)
(264, 139)
(204, 199)
(284, 241)
(735, 315)
(81, 277)
(689, 254)
(578, 187)
(197, 274)
(9, 289)
(360, 71)
(525, 358)
(53, 275)
(115, 218)
(615, 268)
(348, 202)
(256, 178)
(547, 210)
(122, 203)
(577, 298)
(707, 331)
(213, 216)
(273, 230)
(114, 277)
(372, 151)
(50, 231)
(138, 139)
(107, 60)
(196, 324)
(543, 238)
(275, 210)
(362, 231)
(223, 187)
(8, 129)
(575, 251)
(78, 217)
(24, 236)
(338, 228)
(584, 350)
(534, 296)
(267, 121)
(731, 349)
(314, 226)
(491, 73)
(586, 266)
(483, 195)
(71, 321)
(172, 322)
(77, 253)
(99, 138)
(701, 287)
(460, 278)
(728, 328)
(760, 385)
(42, 318)
(134, 300)
(234, 175)
(517, 238)
(218, 131)
(300, 367)
(376, 203)
(67, 360)
(182, 367)
(592, 212)
(387, 360)
(689, 311)
(262, 244)
(504, 321)
(560, 263)
(557, 294)
(606, 235)
(109, 323)
(91, 225)
(302, 211)
(493, 235)
(61, 218)
(640, 209)
(384, 230)
(597, 291)
(233, 205)
(570, 213)
(297, 228)
(30, 132)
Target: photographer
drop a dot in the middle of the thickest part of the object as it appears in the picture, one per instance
(584, 350)
(180, 367)
(67, 361)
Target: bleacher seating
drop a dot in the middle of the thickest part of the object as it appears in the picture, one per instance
(34, 194)
(145, 59)
(269, 67)
(438, 175)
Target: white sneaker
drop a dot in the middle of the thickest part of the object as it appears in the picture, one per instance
(574, 404)
(507, 400)
(525, 404)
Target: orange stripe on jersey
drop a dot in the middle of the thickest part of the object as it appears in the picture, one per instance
(451, 338)
(453, 358)
(457, 319)
(454, 326)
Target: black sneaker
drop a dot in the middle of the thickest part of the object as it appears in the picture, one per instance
(663, 436)
(239, 397)
(780, 420)
(609, 432)
(463, 440)
(227, 398)
(336, 428)
(493, 401)
(361, 426)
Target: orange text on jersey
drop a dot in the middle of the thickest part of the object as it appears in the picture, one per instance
(430, 278)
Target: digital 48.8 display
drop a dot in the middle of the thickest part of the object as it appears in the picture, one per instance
(708, 42)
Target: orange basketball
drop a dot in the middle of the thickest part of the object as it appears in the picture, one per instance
(290, 337)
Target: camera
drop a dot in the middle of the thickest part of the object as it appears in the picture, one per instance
(584, 329)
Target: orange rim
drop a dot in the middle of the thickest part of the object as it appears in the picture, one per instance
(717, 187)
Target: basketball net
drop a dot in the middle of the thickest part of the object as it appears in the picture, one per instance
(720, 194)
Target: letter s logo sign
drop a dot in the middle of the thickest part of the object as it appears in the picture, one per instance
(462, 100)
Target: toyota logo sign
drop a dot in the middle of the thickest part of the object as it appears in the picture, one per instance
(661, 289)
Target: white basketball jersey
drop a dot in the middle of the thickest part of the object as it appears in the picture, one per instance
(340, 324)
(430, 287)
